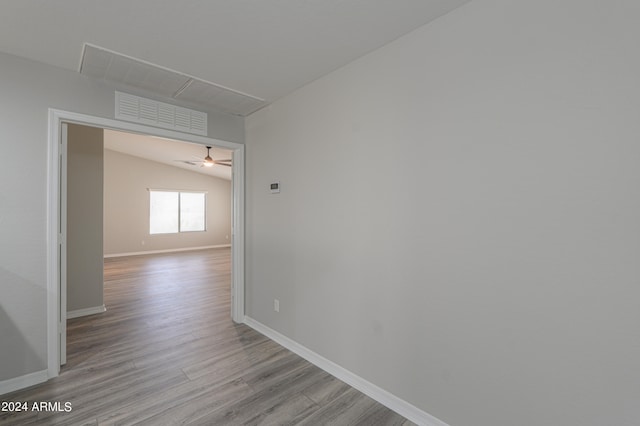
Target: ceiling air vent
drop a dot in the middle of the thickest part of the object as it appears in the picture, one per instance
(154, 113)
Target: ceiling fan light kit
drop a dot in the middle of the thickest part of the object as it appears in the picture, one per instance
(208, 161)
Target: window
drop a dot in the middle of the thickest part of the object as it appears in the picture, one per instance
(171, 212)
(192, 211)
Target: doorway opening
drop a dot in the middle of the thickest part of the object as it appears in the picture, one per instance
(57, 230)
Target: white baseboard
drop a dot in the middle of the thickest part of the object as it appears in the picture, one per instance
(139, 253)
(86, 311)
(22, 382)
(385, 398)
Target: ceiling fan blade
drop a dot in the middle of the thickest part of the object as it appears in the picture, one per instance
(222, 163)
(189, 162)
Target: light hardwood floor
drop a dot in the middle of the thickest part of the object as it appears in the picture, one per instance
(166, 353)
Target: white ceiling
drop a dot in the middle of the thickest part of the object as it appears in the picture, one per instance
(167, 151)
(262, 48)
(259, 49)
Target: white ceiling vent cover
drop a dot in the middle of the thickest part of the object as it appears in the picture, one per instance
(154, 113)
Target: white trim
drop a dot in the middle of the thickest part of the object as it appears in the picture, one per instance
(138, 253)
(62, 244)
(22, 382)
(56, 118)
(385, 398)
(53, 262)
(237, 236)
(86, 312)
(191, 191)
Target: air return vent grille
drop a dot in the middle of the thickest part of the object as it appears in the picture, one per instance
(154, 113)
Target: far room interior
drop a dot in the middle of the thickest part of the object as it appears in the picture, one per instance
(111, 178)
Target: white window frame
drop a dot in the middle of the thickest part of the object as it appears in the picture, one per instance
(179, 193)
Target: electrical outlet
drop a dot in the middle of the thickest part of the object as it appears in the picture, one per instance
(276, 305)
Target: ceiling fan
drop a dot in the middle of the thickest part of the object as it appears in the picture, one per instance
(207, 162)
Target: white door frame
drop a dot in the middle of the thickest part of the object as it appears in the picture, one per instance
(56, 319)
(62, 246)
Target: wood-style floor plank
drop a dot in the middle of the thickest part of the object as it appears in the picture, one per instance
(167, 353)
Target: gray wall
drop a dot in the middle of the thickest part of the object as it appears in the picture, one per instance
(126, 195)
(85, 268)
(28, 89)
(458, 221)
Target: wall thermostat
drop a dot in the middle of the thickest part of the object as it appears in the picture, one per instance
(275, 187)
